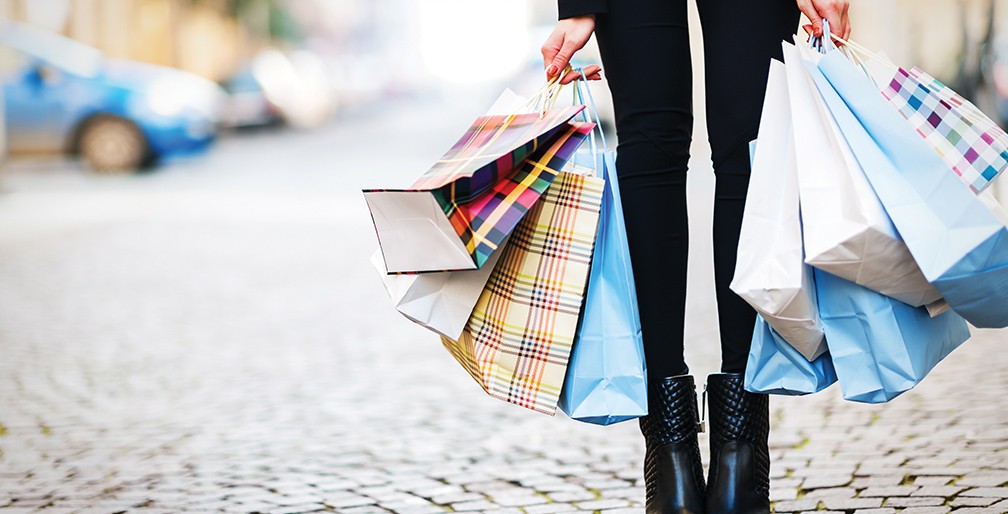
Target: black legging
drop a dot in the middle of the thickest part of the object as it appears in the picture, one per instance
(645, 53)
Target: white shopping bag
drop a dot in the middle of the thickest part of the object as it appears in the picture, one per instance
(442, 301)
(846, 230)
(770, 272)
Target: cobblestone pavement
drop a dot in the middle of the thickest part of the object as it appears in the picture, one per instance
(211, 338)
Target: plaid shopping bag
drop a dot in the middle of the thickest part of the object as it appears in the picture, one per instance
(484, 223)
(490, 148)
(457, 214)
(973, 145)
(519, 336)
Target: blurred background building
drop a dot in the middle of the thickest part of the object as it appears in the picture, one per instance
(300, 62)
(934, 33)
(397, 44)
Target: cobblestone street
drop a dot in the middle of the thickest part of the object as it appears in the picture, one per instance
(210, 337)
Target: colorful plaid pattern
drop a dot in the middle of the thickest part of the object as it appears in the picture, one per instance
(519, 336)
(483, 223)
(492, 147)
(973, 145)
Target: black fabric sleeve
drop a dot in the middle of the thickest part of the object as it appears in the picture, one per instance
(572, 8)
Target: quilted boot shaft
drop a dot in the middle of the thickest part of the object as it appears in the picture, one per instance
(738, 481)
(673, 472)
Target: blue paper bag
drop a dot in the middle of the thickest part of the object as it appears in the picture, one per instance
(960, 246)
(606, 380)
(881, 347)
(776, 367)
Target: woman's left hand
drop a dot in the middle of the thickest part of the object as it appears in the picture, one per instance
(835, 11)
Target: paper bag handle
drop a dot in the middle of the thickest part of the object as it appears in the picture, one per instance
(582, 91)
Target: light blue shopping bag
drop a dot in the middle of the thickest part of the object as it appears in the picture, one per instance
(960, 246)
(606, 379)
(776, 367)
(881, 347)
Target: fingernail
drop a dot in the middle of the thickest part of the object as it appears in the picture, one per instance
(551, 71)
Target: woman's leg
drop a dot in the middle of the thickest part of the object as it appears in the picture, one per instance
(740, 38)
(645, 54)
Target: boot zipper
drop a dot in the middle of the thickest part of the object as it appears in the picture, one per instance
(703, 410)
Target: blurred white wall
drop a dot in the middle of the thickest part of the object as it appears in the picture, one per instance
(926, 33)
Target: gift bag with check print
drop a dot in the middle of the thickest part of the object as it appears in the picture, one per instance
(460, 211)
(520, 334)
(969, 142)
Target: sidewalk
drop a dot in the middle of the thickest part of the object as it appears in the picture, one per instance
(236, 367)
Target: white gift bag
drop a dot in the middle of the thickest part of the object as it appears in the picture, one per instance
(770, 273)
(846, 230)
(441, 301)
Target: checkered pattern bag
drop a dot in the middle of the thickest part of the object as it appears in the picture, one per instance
(490, 149)
(519, 337)
(968, 141)
(484, 222)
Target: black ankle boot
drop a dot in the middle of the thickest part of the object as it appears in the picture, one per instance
(673, 473)
(739, 477)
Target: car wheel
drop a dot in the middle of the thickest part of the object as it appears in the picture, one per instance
(113, 145)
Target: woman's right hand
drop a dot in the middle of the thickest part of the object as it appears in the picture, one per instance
(569, 36)
(835, 11)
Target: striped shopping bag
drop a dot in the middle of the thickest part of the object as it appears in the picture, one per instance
(519, 336)
(457, 214)
(969, 142)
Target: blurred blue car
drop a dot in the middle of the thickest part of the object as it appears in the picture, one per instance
(62, 96)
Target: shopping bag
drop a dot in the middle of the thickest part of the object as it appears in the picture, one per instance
(439, 301)
(974, 146)
(776, 367)
(846, 230)
(881, 347)
(606, 377)
(458, 213)
(959, 244)
(770, 273)
(519, 336)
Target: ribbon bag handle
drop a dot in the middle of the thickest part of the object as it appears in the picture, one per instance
(590, 114)
(857, 54)
(547, 97)
(823, 43)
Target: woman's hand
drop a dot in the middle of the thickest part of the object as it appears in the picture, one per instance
(569, 36)
(833, 10)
